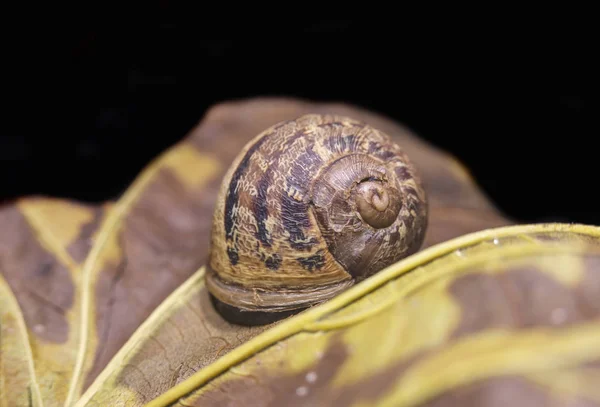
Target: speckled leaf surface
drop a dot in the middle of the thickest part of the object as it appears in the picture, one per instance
(86, 278)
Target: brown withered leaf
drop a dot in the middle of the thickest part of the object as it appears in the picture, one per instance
(507, 316)
(42, 244)
(81, 303)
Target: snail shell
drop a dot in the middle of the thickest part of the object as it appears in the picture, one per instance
(307, 209)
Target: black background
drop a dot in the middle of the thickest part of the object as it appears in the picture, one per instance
(87, 108)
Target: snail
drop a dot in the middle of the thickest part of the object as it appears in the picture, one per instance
(308, 208)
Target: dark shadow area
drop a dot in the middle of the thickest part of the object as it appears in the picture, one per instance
(92, 108)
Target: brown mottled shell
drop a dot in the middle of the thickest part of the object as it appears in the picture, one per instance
(308, 208)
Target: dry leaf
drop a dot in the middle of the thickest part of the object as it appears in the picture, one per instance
(507, 316)
(42, 245)
(81, 303)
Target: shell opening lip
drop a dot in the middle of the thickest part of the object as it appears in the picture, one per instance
(239, 316)
(255, 306)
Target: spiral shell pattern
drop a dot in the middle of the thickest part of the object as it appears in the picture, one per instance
(308, 208)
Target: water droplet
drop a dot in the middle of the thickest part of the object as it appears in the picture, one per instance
(39, 328)
(311, 377)
(301, 391)
(496, 241)
(559, 315)
(459, 253)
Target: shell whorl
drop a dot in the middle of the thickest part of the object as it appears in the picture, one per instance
(308, 208)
